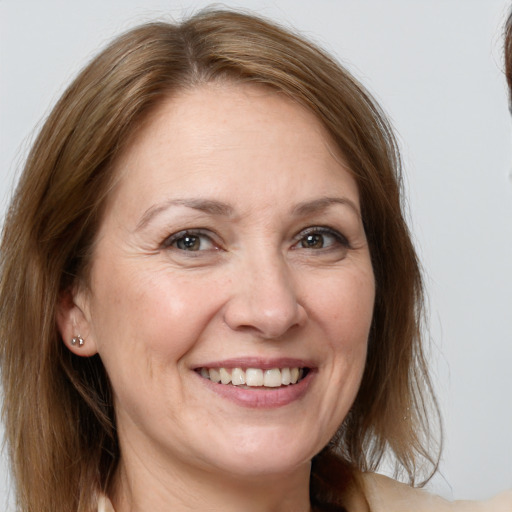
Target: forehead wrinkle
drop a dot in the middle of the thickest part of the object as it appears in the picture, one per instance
(208, 206)
(323, 203)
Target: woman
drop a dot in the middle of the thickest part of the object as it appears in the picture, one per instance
(209, 297)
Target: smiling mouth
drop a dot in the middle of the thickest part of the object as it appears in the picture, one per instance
(254, 377)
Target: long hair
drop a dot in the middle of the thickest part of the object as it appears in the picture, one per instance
(58, 407)
(508, 56)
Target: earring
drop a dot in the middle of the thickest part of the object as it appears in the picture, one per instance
(77, 340)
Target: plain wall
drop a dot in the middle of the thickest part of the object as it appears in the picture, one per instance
(436, 67)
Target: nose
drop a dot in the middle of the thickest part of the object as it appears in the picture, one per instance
(264, 299)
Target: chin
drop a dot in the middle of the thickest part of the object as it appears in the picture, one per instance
(261, 456)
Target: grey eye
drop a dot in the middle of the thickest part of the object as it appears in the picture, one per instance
(190, 241)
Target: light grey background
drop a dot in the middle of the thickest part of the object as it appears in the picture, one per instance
(436, 67)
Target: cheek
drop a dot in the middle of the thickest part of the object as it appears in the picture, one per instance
(346, 311)
(344, 307)
(148, 318)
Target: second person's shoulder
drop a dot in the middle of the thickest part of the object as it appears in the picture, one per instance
(386, 495)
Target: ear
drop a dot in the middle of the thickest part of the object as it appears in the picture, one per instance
(74, 323)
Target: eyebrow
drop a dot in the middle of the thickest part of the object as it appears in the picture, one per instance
(323, 203)
(212, 207)
(208, 206)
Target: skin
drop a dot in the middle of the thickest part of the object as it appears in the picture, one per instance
(257, 287)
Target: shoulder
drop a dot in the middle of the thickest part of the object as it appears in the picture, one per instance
(104, 505)
(384, 494)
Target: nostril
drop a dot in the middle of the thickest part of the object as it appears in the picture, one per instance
(266, 321)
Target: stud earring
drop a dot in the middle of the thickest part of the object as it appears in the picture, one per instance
(77, 340)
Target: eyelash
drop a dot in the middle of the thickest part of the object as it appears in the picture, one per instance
(322, 230)
(190, 233)
(300, 237)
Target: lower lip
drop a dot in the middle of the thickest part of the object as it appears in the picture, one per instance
(268, 398)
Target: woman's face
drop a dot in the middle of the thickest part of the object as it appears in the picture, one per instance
(232, 248)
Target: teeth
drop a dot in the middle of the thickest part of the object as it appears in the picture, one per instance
(214, 375)
(254, 377)
(238, 376)
(286, 377)
(272, 378)
(225, 377)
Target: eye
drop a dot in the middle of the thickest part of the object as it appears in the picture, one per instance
(320, 238)
(190, 240)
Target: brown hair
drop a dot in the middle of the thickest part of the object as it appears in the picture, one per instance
(57, 407)
(508, 55)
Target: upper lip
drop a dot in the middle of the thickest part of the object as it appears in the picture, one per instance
(259, 362)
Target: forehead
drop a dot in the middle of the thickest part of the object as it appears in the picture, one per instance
(212, 110)
(222, 135)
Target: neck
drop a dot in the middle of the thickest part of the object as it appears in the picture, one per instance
(142, 485)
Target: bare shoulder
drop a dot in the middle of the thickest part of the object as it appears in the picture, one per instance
(385, 495)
